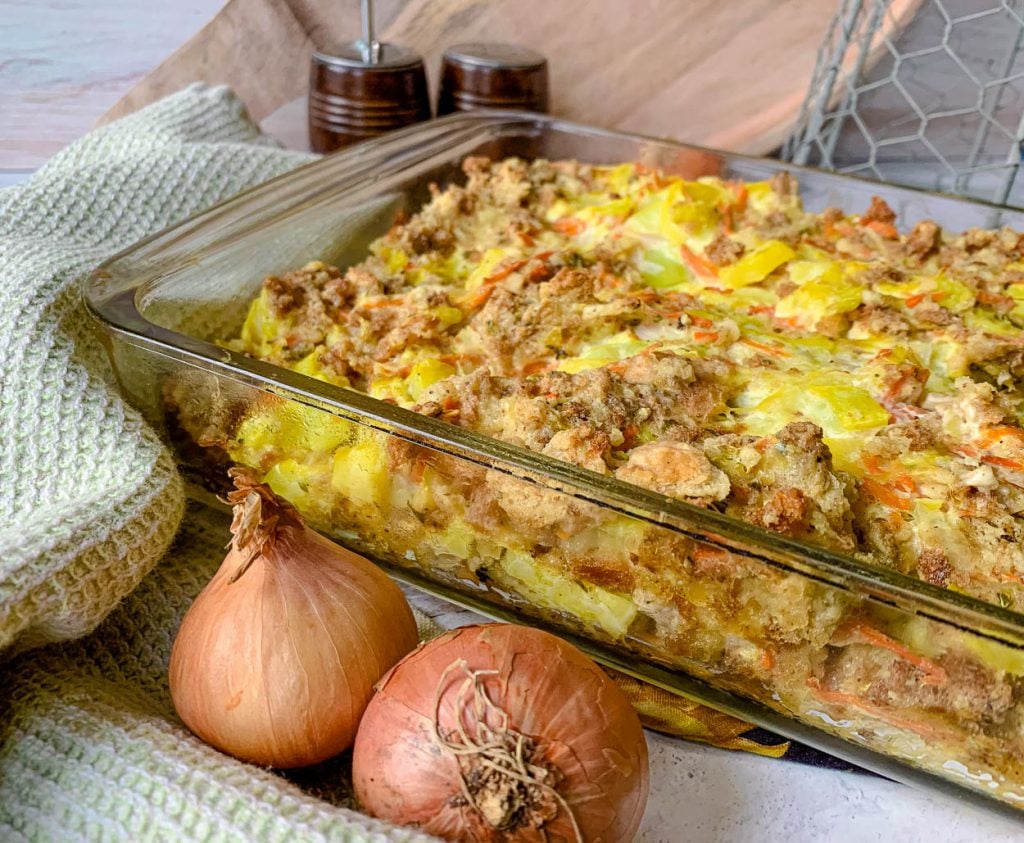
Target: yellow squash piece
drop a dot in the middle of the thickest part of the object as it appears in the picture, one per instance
(755, 266)
(612, 613)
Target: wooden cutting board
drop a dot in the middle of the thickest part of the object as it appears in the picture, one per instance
(725, 73)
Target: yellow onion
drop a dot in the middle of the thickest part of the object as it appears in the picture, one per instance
(502, 733)
(276, 659)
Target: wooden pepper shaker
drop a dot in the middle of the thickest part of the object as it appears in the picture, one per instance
(484, 75)
(364, 89)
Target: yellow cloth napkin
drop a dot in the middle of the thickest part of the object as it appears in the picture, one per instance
(674, 715)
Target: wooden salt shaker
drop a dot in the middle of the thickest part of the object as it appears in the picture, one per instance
(364, 89)
(483, 75)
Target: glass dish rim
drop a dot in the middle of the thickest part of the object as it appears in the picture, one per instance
(419, 143)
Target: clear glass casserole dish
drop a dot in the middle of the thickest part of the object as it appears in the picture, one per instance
(757, 621)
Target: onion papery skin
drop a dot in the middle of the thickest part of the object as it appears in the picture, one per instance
(277, 667)
(577, 717)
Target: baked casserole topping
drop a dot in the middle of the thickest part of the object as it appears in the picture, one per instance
(821, 375)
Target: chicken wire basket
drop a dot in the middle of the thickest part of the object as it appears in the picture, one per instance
(926, 93)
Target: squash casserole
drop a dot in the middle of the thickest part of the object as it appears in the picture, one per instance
(821, 375)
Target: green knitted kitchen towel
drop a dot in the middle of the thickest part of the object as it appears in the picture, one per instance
(90, 748)
(90, 498)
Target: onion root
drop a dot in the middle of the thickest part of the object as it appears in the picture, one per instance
(498, 773)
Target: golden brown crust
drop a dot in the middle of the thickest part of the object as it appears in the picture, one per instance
(510, 287)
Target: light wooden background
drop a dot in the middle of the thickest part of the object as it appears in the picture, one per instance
(729, 74)
(65, 62)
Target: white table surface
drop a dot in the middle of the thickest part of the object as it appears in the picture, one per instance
(64, 62)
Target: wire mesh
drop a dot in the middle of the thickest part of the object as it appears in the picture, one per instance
(936, 103)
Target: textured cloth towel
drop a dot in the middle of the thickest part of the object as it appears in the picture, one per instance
(90, 497)
(90, 748)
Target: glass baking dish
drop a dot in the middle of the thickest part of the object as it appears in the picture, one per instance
(746, 620)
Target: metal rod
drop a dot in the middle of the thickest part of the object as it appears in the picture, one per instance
(796, 137)
(369, 45)
(820, 108)
(1002, 193)
(981, 137)
(853, 79)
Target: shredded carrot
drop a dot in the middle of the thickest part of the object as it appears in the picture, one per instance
(535, 367)
(970, 511)
(526, 238)
(885, 495)
(881, 712)
(676, 297)
(569, 226)
(994, 434)
(373, 305)
(895, 520)
(895, 388)
(740, 190)
(773, 350)
(933, 673)
(761, 308)
(986, 297)
(905, 483)
(700, 321)
(965, 451)
(871, 463)
(417, 469)
(541, 269)
(629, 434)
(886, 229)
(644, 296)
(503, 273)
(1004, 462)
(914, 301)
(767, 659)
(725, 212)
(705, 336)
(700, 266)
(789, 321)
(479, 299)
(703, 553)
